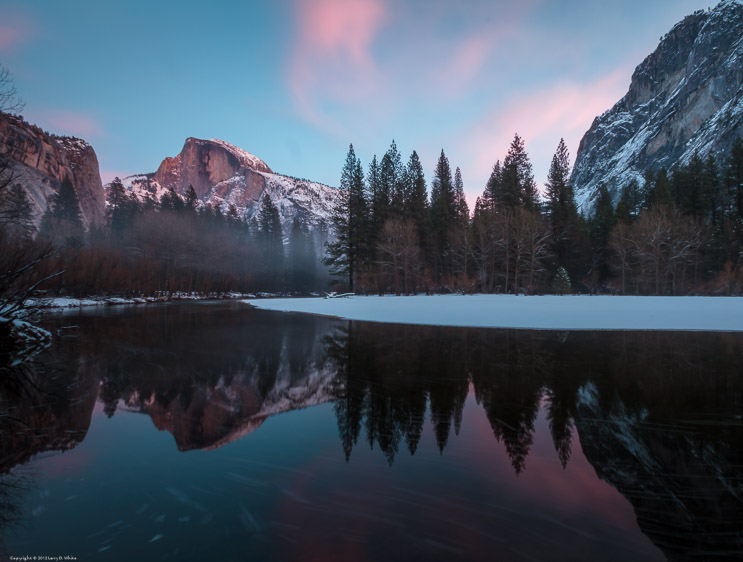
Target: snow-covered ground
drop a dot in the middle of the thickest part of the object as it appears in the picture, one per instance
(536, 312)
(69, 302)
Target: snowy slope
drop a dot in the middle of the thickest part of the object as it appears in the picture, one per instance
(309, 201)
(686, 96)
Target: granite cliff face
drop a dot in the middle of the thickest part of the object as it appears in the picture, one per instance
(223, 175)
(41, 161)
(205, 163)
(685, 97)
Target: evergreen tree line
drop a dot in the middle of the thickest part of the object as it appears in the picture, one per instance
(674, 233)
(169, 245)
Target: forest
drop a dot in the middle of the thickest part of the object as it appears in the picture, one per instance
(154, 247)
(674, 233)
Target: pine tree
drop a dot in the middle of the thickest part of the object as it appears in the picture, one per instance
(561, 282)
(734, 177)
(492, 193)
(562, 210)
(192, 200)
(629, 202)
(712, 203)
(443, 214)
(359, 218)
(560, 199)
(659, 190)
(349, 219)
(600, 225)
(517, 180)
(232, 216)
(219, 218)
(392, 174)
(171, 201)
(119, 211)
(62, 221)
(271, 238)
(603, 218)
(662, 190)
(461, 210)
(416, 203)
(15, 212)
(692, 196)
(375, 199)
(415, 196)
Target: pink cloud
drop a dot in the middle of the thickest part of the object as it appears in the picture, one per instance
(560, 110)
(464, 64)
(340, 26)
(332, 57)
(14, 31)
(68, 123)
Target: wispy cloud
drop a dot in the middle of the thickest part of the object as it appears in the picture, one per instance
(465, 62)
(332, 58)
(72, 123)
(14, 31)
(559, 110)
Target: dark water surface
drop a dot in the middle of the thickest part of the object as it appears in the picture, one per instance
(212, 431)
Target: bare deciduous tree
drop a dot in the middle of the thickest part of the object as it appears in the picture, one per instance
(660, 252)
(399, 254)
(10, 101)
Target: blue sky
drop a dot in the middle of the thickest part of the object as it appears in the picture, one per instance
(295, 81)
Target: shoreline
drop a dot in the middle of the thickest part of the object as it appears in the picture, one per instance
(546, 312)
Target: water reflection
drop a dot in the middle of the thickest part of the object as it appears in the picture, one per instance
(658, 415)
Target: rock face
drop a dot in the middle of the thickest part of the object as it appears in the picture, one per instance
(686, 97)
(684, 483)
(205, 163)
(224, 175)
(41, 161)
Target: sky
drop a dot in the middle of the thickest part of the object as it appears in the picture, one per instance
(296, 81)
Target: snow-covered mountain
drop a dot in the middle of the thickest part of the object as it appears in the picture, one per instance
(224, 175)
(687, 96)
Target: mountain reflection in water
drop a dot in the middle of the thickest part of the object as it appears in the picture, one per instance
(658, 415)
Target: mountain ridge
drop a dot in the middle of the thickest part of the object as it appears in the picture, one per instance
(685, 97)
(223, 174)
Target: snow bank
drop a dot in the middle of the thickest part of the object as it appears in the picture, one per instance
(29, 339)
(533, 312)
(68, 302)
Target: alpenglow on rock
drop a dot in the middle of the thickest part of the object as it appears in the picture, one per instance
(686, 97)
(40, 161)
(223, 175)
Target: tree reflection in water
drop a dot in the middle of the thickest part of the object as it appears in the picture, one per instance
(658, 415)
